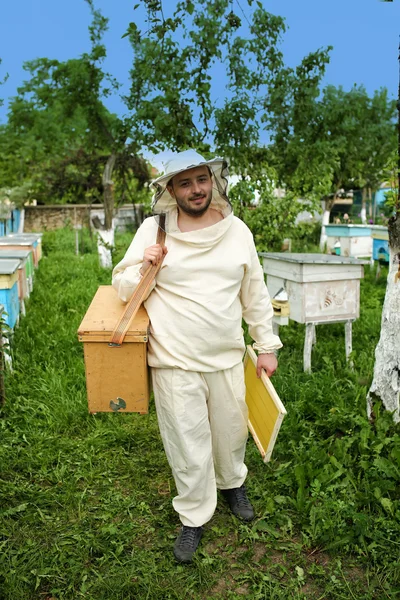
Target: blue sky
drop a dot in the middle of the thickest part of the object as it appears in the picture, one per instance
(364, 34)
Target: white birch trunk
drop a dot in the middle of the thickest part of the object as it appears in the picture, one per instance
(21, 221)
(105, 233)
(363, 214)
(364, 206)
(386, 381)
(325, 221)
(105, 242)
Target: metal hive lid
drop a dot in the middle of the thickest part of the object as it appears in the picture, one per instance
(313, 258)
(8, 266)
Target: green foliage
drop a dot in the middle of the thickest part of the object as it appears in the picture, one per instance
(305, 236)
(176, 103)
(323, 143)
(174, 97)
(378, 140)
(18, 195)
(272, 221)
(60, 137)
(391, 204)
(85, 503)
(273, 218)
(1, 83)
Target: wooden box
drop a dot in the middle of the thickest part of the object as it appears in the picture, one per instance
(117, 378)
(320, 287)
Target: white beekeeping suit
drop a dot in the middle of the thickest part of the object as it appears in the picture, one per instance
(210, 278)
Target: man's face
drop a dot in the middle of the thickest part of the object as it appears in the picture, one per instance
(192, 190)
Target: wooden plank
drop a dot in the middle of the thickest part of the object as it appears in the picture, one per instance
(103, 315)
(88, 336)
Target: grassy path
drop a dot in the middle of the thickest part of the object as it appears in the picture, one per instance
(85, 501)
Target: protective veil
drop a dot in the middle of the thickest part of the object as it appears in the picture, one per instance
(164, 204)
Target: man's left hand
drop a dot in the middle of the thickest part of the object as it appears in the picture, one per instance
(268, 362)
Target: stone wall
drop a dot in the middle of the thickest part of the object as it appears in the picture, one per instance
(56, 216)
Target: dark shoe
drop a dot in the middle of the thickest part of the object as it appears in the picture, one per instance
(186, 543)
(239, 503)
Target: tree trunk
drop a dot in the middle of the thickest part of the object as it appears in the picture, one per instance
(108, 191)
(105, 233)
(370, 203)
(374, 206)
(105, 243)
(364, 206)
(327, 205)
(386, 381)
(21, 221)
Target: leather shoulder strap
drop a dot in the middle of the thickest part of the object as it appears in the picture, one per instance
(139, 294)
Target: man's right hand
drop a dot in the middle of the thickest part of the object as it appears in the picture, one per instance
(153, 256)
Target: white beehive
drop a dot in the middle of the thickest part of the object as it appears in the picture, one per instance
(354, 240)
(320, 287)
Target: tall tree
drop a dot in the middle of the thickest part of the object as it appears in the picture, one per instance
(386, 380)
(69, 135)
(302, 150)
(38, 137)
(375, 141)
(177, 101)
(326, 143)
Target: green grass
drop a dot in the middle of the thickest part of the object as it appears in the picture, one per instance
(85, 501)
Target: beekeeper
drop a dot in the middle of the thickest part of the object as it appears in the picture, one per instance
(210, 278)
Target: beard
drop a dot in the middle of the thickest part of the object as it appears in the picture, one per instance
(191, 209)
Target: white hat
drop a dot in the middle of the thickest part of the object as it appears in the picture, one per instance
(162, 199)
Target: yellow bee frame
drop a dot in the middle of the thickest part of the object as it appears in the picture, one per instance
(266, 411)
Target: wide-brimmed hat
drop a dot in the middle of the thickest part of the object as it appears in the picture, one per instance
(182, 161)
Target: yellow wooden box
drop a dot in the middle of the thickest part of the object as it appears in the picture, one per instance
(281, 308)
(117, 378)
(7, 280)
(266, 411)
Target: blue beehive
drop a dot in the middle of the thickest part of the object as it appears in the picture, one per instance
(354, 240)
(25, 268)
(380, 245)
(9, 290)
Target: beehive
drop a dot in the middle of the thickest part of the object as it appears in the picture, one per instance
(7, 244)
(36, 238)
(380, 245)
(117, 378)
(355, 240)
(320, 287)
(9, 290)
(24, 269)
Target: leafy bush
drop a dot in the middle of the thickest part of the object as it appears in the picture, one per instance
(305, 235)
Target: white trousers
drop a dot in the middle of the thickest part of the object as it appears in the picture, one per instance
(203, 425)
